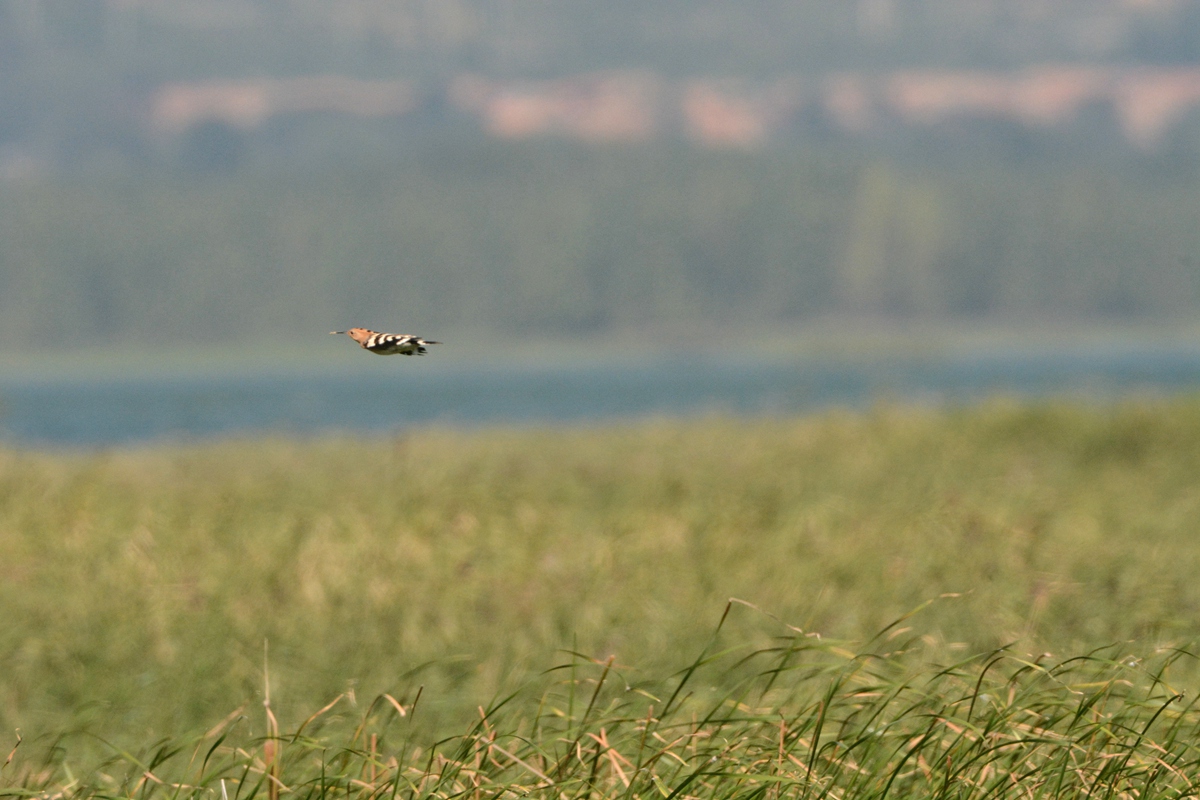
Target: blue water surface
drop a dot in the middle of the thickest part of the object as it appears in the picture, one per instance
(396, 393)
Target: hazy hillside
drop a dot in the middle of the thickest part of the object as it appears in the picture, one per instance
(79, 78)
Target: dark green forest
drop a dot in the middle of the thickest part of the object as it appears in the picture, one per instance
(574, 240)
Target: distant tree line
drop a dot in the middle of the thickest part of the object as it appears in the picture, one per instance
(558, 239)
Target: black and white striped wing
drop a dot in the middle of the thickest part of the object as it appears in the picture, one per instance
(386, 344)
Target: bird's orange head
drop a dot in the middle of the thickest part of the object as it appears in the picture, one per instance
(359, 335)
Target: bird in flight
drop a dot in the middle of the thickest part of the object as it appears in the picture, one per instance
(387, 344)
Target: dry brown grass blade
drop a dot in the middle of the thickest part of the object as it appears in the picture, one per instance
(13, 752)
(325, 710)
(216, 730)
(374, 757)
(277, 785)
(271, 745)
(534, 770)
(612, 759)
(395, 704)
(613, 756)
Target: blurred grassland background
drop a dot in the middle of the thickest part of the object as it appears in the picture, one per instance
(138, 586)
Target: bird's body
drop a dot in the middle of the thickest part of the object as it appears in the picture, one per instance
(387, 344)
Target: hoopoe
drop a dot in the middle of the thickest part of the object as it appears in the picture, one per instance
(387, 344)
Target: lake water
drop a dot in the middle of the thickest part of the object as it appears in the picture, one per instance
(391, 394)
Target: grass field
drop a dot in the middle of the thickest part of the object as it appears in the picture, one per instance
(138, 588)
